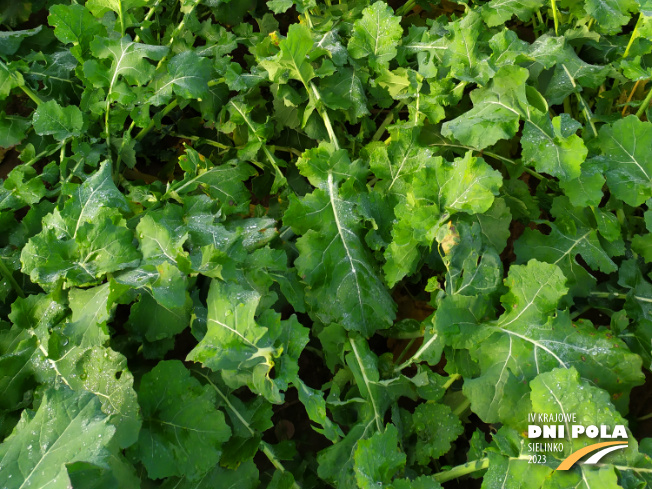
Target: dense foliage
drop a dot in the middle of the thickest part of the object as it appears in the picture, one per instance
(355, 249)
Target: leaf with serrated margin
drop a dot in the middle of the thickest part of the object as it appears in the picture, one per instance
(128, 61)
(378, 459)
(292, 61)
(334, 261)
(188, 76)
(60, 122)
(438, 190)
(496, 111)
(625, 148)
(12, 129)
(529, 339)
(497, 12)
(344, 90)
(67, 427)
(246, 350)
(552, 146)
(22, 187)
(223, 182)
(104, 373)
(610, 15)
(463, 53)
(436, 427)
(375, 36)
(181, 439)
(395, 164)
(572, 233)
(74, 24)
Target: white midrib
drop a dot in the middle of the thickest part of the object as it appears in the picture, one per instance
(563, 411)
(234, 331)
(536, 345)
(331, 194)
(379, 424)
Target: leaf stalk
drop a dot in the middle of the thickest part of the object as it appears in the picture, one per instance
(462, 470)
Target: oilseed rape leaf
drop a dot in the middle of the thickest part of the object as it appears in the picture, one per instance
(439, 189)
(375, 36)
(496, 110)
(377, 471)
(67, 427)
(60, 122)
(628, 163)
(178, 438)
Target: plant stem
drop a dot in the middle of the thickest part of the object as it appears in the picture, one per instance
(210, 142)
(386, 122)
(405, 8)
(45, 153)
(451, 380)
(462, 470)
(496, 156)
(405, 350)
(4, 271)
(633, 36)
(585, 108)
(644, 105)
(579, 312)
(555, 16)
(324, 115)
(643, 418)
(168, 108)
(379, 423)
(631, 94)
(608, 295)
(150, 12)
(462, 406)
(28, 91)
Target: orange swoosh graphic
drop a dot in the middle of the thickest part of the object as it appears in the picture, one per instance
(575, 456)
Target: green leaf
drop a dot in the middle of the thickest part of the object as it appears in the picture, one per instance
(334, 262)
(344, 90)
(628, 163)
(496, 112)
(436, 428)
(11, 41)
(61, 122)
(498, 12)
(553, 147)
(12, 130)
(188, 77)
(178, 439)
(292, 61)
(67, 427)
(245, 476)
(463, 53)
(610, 15)
(397, 163)
(75, 24)
(99, 7)
(128, 61)
(572, 234)
(104, 373)
(438, 190)
(529, 339)
(22, 187)
(375, 36)
(378, 459)
(17, 349)
(246, 350)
